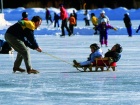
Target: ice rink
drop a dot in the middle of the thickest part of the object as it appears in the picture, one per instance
(58, 83)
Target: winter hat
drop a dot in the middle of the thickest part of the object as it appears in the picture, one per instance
(24, 14)
(126, 14)
(92, 14)
(60, 5)
(102, 12)
(71, 14)
(118, 48)
(104, 20)
(95, 46)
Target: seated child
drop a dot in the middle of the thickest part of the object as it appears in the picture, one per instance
(96, 52)
(5, 48)
(114, 53)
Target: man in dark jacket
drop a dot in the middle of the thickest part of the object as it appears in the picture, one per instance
(128, 24)
(21, 36)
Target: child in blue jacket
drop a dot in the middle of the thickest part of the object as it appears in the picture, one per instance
(96, 52)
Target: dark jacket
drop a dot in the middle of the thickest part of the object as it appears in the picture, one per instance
(115, 55)
(24, 30)
(127, 21)
(56, 17)
(4, 47)
(48, 15)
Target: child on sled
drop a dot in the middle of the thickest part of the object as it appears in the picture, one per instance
(114, 53)
(96, 52)
(109, 61)
(111, 57)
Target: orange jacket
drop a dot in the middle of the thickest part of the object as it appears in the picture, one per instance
(72, 20)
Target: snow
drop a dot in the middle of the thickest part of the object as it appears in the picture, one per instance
(115, 16)
(58, 83)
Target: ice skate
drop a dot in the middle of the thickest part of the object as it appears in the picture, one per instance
(29, 71)
(18, 69)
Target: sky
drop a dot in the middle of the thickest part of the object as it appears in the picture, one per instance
(115, 15)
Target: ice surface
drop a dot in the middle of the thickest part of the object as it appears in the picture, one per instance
(58, 83)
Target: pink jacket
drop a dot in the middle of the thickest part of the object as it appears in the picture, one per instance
(63, 13)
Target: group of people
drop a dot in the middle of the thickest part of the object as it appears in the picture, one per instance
(102, 25)
(20, 37)
(64, 17)
(95, 21)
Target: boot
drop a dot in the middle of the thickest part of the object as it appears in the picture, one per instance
(62, 35)
(95, 33)
(76, 64)
(18, 69)
(29, 71)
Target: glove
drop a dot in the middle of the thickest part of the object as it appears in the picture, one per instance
(137, 31)
(115, 29)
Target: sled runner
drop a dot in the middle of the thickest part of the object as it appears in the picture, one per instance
(99, 63)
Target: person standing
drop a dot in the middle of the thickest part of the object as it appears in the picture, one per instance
(94, 21)
(87, 18)
(102, 15)
(103, 28)
(21, 36)
(24, 16)
(75, 15)
(56, 19)
(128, 24)
(48, 16)
(64, 18)
(72, 22)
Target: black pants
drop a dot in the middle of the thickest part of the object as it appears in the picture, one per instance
(71, 26)
(64, 25)
(49, 19)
